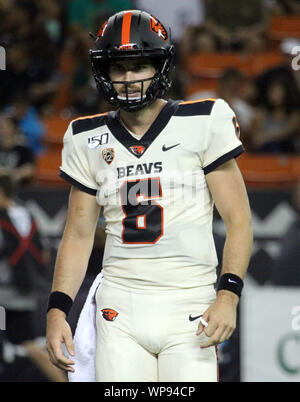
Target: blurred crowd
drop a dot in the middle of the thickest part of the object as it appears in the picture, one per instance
(48, 71)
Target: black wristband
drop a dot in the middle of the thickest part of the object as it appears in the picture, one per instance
(61, 301)
(231, 282)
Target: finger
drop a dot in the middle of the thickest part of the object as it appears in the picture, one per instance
(51, 354)
(227, 334)
(70, 345)
(64, 360)
(214, 339)
(65, 368)
(211, 328)
(59, 356)
(210, 342)
(63, 365)
(221, 335)
(200, 329)
(203, 324)
(203, 319)
(55, 360)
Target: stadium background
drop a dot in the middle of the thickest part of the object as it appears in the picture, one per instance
(243, 51)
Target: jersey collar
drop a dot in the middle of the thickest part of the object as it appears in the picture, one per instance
(138, 147)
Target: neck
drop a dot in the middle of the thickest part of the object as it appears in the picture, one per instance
(140, 121)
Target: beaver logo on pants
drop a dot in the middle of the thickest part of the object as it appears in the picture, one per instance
(109, 314)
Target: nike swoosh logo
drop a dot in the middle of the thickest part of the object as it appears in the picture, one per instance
(194, 318)
(230, 280)
(164, 148)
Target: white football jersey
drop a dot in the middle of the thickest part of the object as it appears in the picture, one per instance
(157, 205)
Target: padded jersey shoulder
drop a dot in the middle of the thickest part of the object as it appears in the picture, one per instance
(195, 108)
(87, 123)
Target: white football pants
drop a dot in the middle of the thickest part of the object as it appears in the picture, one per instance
(146, 336)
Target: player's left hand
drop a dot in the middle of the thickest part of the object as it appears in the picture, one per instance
(221, 319)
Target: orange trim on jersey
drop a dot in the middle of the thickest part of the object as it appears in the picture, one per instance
(125, 38)
(90, 117)
(195, 101)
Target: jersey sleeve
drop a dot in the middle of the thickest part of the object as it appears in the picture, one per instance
(75, 165)
(222, 138)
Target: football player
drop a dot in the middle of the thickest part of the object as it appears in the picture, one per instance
(157, 167)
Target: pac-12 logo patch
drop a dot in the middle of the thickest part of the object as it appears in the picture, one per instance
(109, 314)
(137, 149)
(108, 155)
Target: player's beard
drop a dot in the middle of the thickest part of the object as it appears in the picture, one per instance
(133, 90)
(131, 93)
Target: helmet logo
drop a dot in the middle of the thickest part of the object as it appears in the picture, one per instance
(102, 29)
(157, 27)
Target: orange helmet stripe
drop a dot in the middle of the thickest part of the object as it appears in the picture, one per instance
(126, 28)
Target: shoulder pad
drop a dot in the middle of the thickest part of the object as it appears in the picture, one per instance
(88, 123)
(194, 108)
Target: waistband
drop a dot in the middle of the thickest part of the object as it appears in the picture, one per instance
(199, 291)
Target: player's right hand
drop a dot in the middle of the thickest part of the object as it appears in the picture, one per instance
(59, 332)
